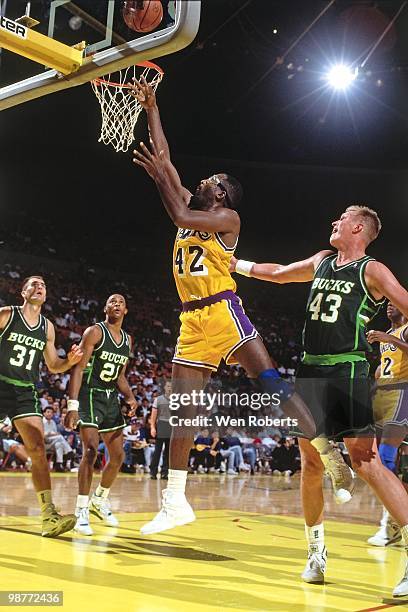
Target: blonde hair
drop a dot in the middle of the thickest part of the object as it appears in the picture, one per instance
(370, 219)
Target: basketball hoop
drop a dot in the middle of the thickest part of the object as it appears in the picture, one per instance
(120, 109)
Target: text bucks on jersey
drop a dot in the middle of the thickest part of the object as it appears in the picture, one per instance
(21, 349)
(107, 361)
(339, 308)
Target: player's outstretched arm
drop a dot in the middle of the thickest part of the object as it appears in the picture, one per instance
(381, 282)
(147, 98)
(54, 363)
(126, 391)
(296, 272)
(159, 169)
(91, 338)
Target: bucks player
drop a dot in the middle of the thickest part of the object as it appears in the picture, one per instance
(214, 325)
(26, 337)
(391, 408)
(94, 405)
(348, 287)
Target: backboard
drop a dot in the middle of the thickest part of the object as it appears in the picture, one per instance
(109, 44)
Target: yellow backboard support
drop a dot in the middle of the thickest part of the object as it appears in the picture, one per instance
(40, 48)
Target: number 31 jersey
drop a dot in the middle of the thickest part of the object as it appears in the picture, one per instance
(201, 264)
(339, 309)
(107, 361)
(21, 349)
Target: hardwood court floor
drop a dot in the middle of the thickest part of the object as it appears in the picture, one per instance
(245, 551)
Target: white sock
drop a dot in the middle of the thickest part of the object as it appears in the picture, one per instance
(404, 533)
(82, 501)
(315, 537)
(177, 481)
(101, 491)
(322, 445)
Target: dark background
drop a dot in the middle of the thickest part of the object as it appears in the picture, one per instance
(301, 153)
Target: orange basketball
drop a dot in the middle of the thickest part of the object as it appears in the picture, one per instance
(143, 15)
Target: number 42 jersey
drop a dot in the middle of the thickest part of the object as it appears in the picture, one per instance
(201, 264)
(338, 311)
(107, 361)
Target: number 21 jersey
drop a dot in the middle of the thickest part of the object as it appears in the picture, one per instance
(107, 361)
(339, 309)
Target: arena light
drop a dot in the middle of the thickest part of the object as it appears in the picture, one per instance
(341, 76)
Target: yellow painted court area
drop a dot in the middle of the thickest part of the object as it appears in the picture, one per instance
(226, 560)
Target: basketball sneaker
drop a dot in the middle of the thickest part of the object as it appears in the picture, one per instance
(388, 533)
(100, 507)
(402, 587)
(54, 524)
(316, 565)
(82, 525)
(175, 511)
(342, 476)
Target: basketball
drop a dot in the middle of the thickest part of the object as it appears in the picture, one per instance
(143, 16)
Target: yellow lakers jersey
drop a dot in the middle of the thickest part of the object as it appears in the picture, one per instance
(394, 363)
(201, 264)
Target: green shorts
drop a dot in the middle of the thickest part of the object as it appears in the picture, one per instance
(17, 402)
(338, 396)
(100, 408)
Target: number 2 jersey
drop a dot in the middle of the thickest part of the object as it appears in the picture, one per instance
(201, 264)
(338, 311)
(394, 362)
(21, 349)
(107, 361)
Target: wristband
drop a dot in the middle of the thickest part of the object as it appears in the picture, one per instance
(72, 405)
(244, 267)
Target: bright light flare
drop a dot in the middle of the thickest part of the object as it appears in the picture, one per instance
(341, 76)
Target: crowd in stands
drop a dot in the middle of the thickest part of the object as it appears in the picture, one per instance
(75, 301)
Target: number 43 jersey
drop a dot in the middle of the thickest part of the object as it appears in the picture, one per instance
(201, 264)
(338, 311)
(107, 360)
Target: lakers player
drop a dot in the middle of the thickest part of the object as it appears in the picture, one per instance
(26, 337)
(391, 407)
(214, 325)
(94, 404)
(348, 287)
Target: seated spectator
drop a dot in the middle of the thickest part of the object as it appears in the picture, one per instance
(134, 445)
(55, 442)
(285, 458)
(231, 441)
(204, 452)
(12, 444)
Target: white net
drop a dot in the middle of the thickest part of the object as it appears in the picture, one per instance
(120, 109)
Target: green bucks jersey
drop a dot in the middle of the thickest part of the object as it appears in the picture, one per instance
(107, 360)
(338, 310)
(21, 349)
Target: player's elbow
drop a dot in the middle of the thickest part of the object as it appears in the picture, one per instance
(179, 220)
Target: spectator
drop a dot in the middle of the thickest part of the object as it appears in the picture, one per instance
(55, 442)
(161, 430)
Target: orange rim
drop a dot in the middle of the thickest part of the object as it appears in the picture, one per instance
(101, 81)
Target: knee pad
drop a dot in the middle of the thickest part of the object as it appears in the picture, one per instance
(403, 466)
(388, 456)
(272, 383)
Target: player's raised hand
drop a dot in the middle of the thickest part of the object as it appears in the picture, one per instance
(152, 161)
(378, 336)
(143, 92)
(75, 355)
(233, 264)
